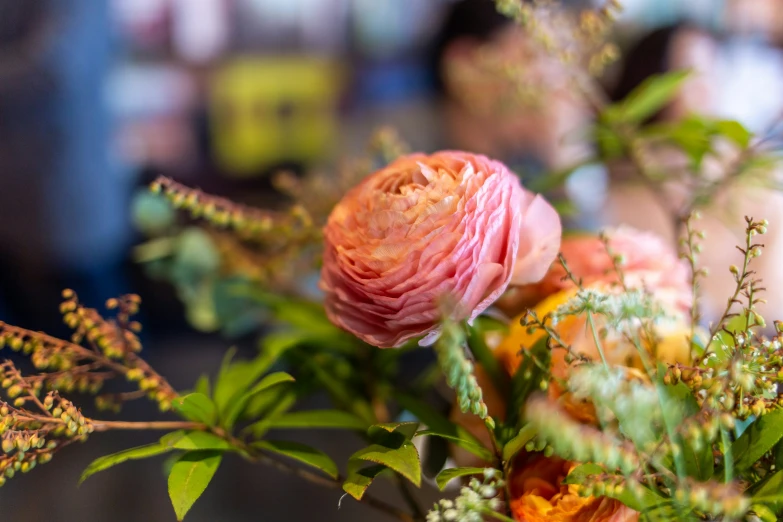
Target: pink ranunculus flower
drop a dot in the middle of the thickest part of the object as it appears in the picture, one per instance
(451, 224)
(646, 262)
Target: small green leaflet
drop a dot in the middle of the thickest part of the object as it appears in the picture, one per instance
(404, 460)
(319, 419)
(515, 445)
(189, 478)
(301, 452)
(196, 407)
(360, 478)
(447, 475)
(235, 408)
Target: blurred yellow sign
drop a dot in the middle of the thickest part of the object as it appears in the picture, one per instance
(264, 111)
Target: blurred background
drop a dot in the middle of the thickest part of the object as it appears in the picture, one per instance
(98, 97)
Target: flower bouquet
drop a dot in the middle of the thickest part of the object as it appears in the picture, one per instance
(581, 383)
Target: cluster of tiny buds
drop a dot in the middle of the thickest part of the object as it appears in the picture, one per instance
(603, 485)
(221, 212)
(154, 387)
(114, 338)
(473, 502)
(459, 370)
(714, 498)
(31, 438)
(569, 439)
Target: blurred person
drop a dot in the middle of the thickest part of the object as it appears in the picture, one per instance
(63, 197)
(632, 202)
(482, 111)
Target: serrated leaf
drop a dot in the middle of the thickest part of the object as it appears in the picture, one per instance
(196, 407)
(759, 438)
(235, 409)
(469, 446)
(404, 460)
(301, 452)
(651, 96)
(195, 440)
(108, 461)
(189, 478)
(319, 419)
(359, 479)
(515, 445)
(434, 420)
(447, 475)
(406, 428)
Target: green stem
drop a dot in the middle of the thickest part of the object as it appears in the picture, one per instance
(597, 342)
(497, 516)
(407, 495)
(728, 458)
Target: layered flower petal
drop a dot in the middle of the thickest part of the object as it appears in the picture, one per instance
(424, 228)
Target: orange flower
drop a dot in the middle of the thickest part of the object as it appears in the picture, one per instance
(539, 495)
(646, 262)
(672, 332)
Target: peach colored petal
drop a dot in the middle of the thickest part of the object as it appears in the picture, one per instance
(424, 228)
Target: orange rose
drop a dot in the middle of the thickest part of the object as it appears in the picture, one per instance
(539, 495)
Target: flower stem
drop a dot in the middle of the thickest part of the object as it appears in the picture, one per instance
(154, 425)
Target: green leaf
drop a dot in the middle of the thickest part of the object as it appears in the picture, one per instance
(430, 417)
(436, 454)
(359, 479)
(301, 452)
(515, 445)
(404, 460)
(650, 97)
(764, 513)
(195, 440)
(770, 492)
(759, 438)
(203, 386)
(269, 406)
(196, 407)
(319, 419)
(734, 131)
(379, 432)
(469, 446)
(189, 478)
(235, 378)
(447, 475)
(235, 409)
(108, 461)
(678, 403)
(340, 391)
